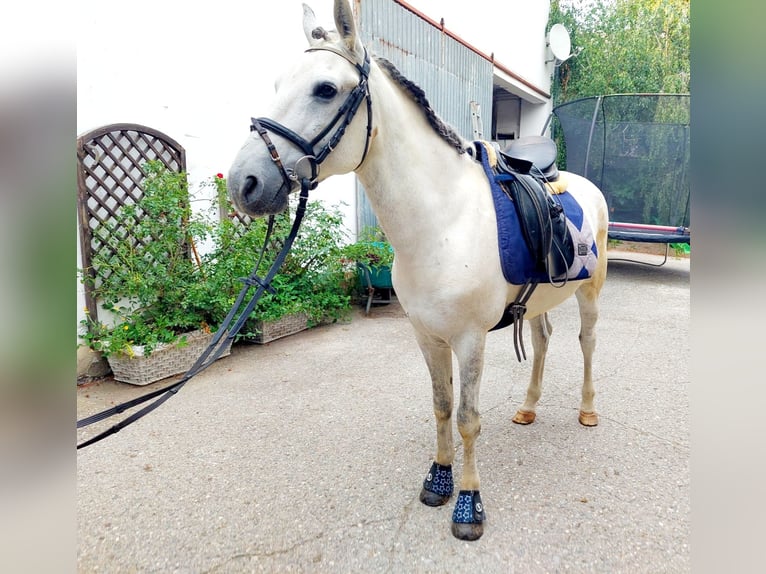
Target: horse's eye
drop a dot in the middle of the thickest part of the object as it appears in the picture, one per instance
(326, 91)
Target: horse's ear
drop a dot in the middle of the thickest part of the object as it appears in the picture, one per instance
(310, 25)
(344, 23)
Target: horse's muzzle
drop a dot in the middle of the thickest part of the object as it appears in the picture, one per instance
(251, 190)
(250, 196)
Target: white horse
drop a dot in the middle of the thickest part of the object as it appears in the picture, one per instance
(348, 112)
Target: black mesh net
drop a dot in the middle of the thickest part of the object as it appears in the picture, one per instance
(634, 147)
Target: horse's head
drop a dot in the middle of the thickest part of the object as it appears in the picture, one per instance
(313, 130)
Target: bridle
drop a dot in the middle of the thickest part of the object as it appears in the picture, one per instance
(307, 167)
(240, 311)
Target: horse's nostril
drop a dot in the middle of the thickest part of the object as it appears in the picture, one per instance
(249, 187)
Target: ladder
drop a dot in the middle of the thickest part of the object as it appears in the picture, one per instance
(478, 130)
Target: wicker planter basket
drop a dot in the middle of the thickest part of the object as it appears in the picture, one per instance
(282, 327)
(165, 361)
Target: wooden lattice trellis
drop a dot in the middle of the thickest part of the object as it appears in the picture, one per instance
(109, 177)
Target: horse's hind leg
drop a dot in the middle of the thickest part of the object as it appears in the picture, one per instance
(587, 298)
(438, 486)
(541, 332)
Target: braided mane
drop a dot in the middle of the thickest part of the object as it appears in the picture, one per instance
(446, 132)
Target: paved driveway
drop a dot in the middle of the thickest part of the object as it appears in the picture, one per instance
(307, 454)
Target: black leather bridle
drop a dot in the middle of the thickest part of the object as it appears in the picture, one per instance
(227, 332)
(342, 119)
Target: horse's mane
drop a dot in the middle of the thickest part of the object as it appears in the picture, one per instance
(446, 132)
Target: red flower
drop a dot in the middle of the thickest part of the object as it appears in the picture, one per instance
(219, 175)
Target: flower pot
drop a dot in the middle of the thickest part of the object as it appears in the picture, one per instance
(377, 276)
(375, 283)
(165, 360)
(287, 325)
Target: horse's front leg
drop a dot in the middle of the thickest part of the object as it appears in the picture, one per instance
(468, 516)
(438, 485)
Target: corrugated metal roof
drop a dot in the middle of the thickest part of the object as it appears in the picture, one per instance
(451, 74)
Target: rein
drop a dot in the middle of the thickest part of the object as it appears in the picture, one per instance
(308, 181)
(218, 344)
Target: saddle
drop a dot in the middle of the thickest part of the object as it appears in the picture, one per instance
(538, 152)
(532, 211)
(523, 170)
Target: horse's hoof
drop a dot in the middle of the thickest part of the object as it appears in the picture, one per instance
(437, 486)
(588, 419)
(468, 516)
(432, 499)
(467, 531)
(524, 417)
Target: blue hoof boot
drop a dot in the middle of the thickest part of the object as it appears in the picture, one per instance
(438, 485)
(468, 516)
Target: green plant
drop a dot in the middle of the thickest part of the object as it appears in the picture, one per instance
(311, 279)
(370, 249)
(157, 284)
(680, 249)
(613, 243)
(145, 270)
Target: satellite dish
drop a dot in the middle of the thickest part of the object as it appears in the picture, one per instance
(559, 43)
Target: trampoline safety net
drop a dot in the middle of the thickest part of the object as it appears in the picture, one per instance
(635, 147)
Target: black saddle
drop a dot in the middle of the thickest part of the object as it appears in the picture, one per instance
(522, 170)
(528, 152)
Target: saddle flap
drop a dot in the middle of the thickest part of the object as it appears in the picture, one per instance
(543, 224)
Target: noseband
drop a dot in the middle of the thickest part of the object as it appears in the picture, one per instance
(342, 119)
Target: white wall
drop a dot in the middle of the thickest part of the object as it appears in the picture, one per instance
(195, 71)
(198, 72)
(533, 118)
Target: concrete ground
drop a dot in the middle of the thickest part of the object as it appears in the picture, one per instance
(308, 454)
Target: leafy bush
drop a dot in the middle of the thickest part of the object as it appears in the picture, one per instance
(157, 285)
(371, 248)
(311, 279)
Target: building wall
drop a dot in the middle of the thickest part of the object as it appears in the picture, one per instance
(451, 74)
(512, 30)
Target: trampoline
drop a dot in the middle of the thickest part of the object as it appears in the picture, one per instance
(635, 147)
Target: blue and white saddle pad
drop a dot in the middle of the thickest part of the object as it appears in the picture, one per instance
(515, 258)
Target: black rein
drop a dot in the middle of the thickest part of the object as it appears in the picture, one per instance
(307, 182)
(216, 347)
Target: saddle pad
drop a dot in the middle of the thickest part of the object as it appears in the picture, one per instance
(515, 257)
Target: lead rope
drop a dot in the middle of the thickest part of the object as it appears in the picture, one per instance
(218, 344)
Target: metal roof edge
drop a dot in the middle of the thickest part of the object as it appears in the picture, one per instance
(510, 80)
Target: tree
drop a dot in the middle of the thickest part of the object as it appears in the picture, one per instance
(640, 145)
(623, 46)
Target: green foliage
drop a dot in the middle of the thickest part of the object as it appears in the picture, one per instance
(158, 286)
(623, 46)
(311, 279)
(371, 248)
(630, 47)
(144, 276)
